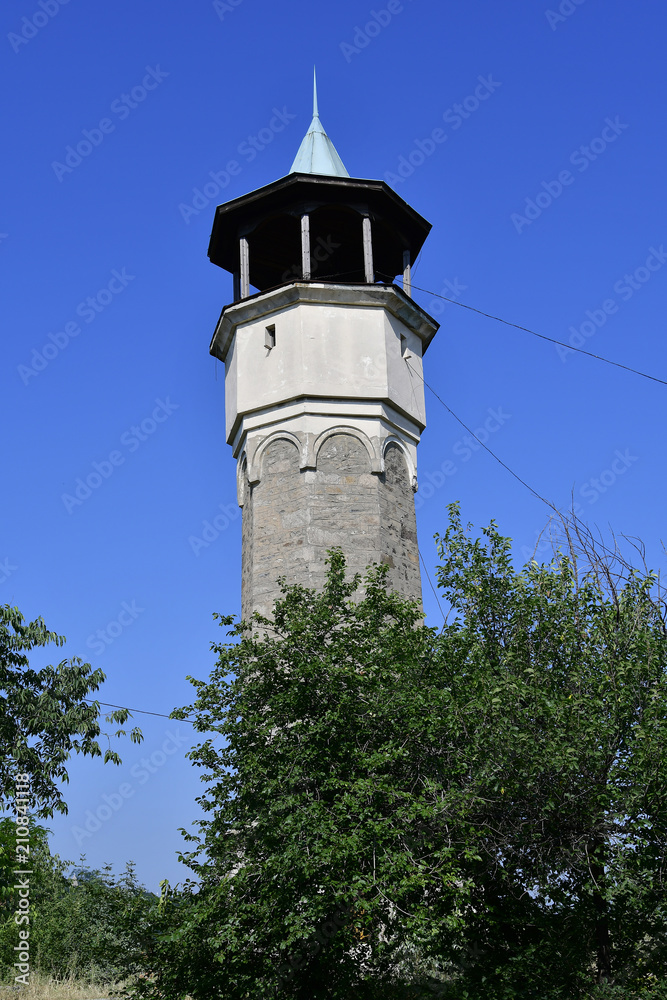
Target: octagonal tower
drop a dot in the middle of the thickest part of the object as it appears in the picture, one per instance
(323, 361)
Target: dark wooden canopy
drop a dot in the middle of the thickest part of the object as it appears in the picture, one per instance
(270, 220)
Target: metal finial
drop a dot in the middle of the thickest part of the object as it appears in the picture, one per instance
(317, 153)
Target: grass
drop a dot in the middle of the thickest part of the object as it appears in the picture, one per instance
(42, 987)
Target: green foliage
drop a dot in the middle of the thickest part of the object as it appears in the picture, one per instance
(322, 849)
(84, 924)
(9, 863)
(565, 667)
(44, 714)
(95, 926)
(394, 812)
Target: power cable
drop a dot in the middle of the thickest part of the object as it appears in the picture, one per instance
(139, 711)
(428, 577)
(493, 455)
(538, 496)
(542, 336)
(506, 322)
(413, 269)
(523, 482)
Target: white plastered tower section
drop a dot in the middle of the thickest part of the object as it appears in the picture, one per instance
(324, 398)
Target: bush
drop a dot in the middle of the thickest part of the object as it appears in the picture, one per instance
(85, 924)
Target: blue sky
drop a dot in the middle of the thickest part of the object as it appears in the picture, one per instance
(530, 135)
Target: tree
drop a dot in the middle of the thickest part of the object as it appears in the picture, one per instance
(321, 853)
(45, 714)
(398, 812)
(565, 671)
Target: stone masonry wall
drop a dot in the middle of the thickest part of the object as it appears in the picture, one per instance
(292, 517)
(398, 538)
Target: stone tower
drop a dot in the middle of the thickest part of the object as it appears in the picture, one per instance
(323, 395)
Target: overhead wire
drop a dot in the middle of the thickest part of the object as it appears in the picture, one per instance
(435, 593)
(472, 433)
(542, 336)
(535, 493)
(139, 711)
(552, 340)
(561, 514)
(506, 322)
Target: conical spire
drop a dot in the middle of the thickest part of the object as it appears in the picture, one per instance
(317, 153)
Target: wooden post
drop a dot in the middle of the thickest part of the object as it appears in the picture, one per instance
(305, 247)
(407, 280)
(244, 255)
(368, 252)
(237, 285)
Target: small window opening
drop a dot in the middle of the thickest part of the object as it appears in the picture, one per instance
(270, 337)
(405, 353)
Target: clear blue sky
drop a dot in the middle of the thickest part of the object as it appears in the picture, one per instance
(560, 117)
